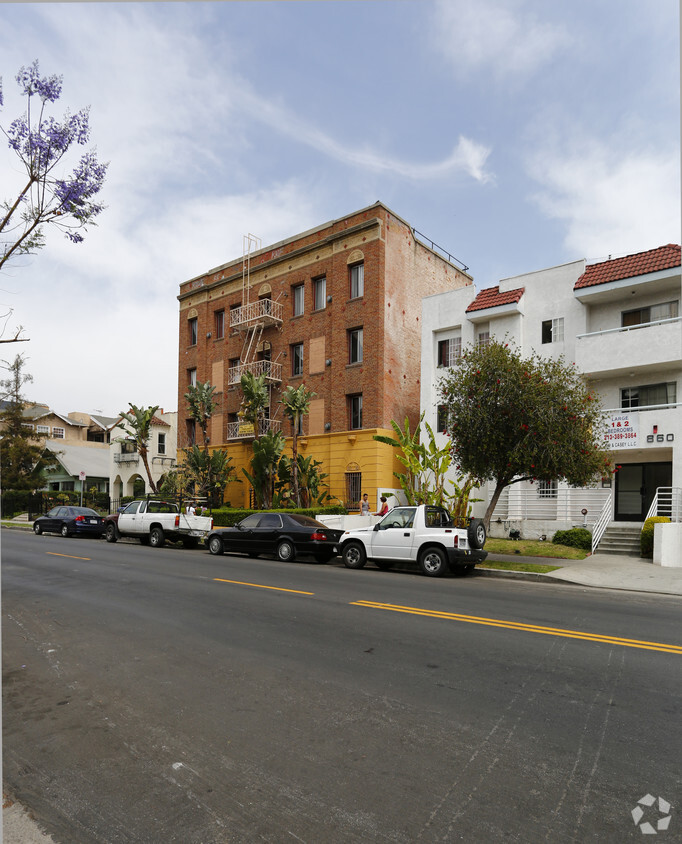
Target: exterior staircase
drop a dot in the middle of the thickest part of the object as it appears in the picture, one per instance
(621, 538)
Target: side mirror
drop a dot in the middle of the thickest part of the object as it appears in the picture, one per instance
(376, 526)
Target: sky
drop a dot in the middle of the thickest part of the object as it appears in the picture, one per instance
(515, 134)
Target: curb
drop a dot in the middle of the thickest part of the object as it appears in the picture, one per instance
(536, 577)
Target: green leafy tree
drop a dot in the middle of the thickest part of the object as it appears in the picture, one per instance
(208, 472)
(255, 400)
(296, 403)
(137, 423)
(427, 466)
(515, 419)
(311, 480)
(23, 456)
(201, 402)
(267, 451)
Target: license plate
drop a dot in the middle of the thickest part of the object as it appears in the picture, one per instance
(93, 521)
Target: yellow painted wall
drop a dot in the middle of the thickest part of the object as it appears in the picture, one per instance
(346, 451)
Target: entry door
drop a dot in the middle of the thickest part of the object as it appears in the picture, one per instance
(636, 485)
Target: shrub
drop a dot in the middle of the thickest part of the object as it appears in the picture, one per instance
(646, 539)
(574, 538)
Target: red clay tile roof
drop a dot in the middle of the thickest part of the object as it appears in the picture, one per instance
(662, 258)
(491, 297)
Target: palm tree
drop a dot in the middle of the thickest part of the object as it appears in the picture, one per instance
(201, 401)
(139, 421)
(255, 400)
(266, 454)
(296, 402)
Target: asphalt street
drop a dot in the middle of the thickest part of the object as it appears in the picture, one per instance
(163, 695)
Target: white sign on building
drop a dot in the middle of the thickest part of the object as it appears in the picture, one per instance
(622, 430)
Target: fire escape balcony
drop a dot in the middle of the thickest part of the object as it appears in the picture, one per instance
(271, 370)
(263, 312)
(244, 430)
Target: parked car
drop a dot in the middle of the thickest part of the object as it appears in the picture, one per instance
(154, 521)
(425, 534)
(286, 535)
(69, 521)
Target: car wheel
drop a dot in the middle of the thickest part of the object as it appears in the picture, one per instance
(354, 556)
(476, 533)
(65, 531)
(384, 565)
(286, 551)
(110, 533)
(37, 529)
(156, 538)
(433, 562)
(215, 545)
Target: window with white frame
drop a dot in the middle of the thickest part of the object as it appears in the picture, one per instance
(355, 411)
(319, 293)
(357, 281)
(298, 295)
(355, 345)
(192, 377)
(297, 359)
(652, 313)
(58, 433)
(547, 489)
(483, 337)
(162, 444)
(43, 429)
(449, 350)
(192, 331)
(553, 330)
(648, 395)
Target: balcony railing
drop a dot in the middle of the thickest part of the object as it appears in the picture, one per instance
(271, 370)
(245, 430)
(264, 311)
(127, 458)
(633, 347)
(565, 505)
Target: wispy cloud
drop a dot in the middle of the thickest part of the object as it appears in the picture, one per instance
(468, 157)
(610, 200)
(495, 36)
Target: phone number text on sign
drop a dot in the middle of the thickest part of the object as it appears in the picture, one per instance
(622, 430)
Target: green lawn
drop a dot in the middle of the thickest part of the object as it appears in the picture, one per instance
(533, 548)
(517, 566)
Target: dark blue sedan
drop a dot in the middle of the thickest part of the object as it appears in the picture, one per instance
(70, 521)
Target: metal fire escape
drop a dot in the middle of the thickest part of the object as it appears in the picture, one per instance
(251, 320)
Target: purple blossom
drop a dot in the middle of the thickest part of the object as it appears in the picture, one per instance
(66, 201)
(49, 88)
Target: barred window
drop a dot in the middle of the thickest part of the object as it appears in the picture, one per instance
(353, 489)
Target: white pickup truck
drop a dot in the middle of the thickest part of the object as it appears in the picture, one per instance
(423, 534)
(153, 522)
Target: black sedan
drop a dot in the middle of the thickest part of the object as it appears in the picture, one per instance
(69, 521)
(286, 535)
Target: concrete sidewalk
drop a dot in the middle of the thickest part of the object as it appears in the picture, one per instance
(607, 571)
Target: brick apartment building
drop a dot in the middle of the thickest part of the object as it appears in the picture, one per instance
(337, 308)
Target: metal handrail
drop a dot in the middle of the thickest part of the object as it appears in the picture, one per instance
(561, 504)
(271, 370)
(622, 328)
(667, 502)
(263, 309)
(601, 524)
(245, 430)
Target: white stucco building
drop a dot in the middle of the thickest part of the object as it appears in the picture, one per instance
(126, 470)
(619, 321)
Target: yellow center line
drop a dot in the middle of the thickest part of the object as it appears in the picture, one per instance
(528, 628)
(260, 586)
(70, 556)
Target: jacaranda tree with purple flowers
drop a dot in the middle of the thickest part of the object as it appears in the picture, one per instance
(52, 192)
